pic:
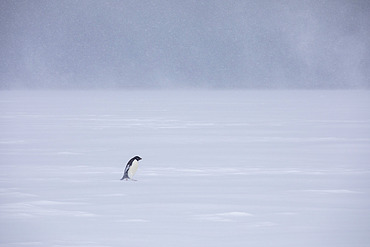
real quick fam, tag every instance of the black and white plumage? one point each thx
(131, 168)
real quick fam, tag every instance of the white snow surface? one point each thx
(219, 168)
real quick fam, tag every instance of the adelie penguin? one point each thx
(131, 168)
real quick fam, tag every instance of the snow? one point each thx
(219, 168)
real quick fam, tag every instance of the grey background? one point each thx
(184, 44)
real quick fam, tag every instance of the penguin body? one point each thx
(131, 168)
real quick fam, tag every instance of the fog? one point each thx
(184, 44)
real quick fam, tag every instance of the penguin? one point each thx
(131, 168)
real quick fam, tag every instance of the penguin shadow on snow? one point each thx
(131, 168)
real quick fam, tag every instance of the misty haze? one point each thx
(178, 83)
(186, 44)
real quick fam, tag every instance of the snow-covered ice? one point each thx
(219, 168)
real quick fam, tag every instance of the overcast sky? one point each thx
(185, 43)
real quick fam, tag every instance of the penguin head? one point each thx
(137, 158)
